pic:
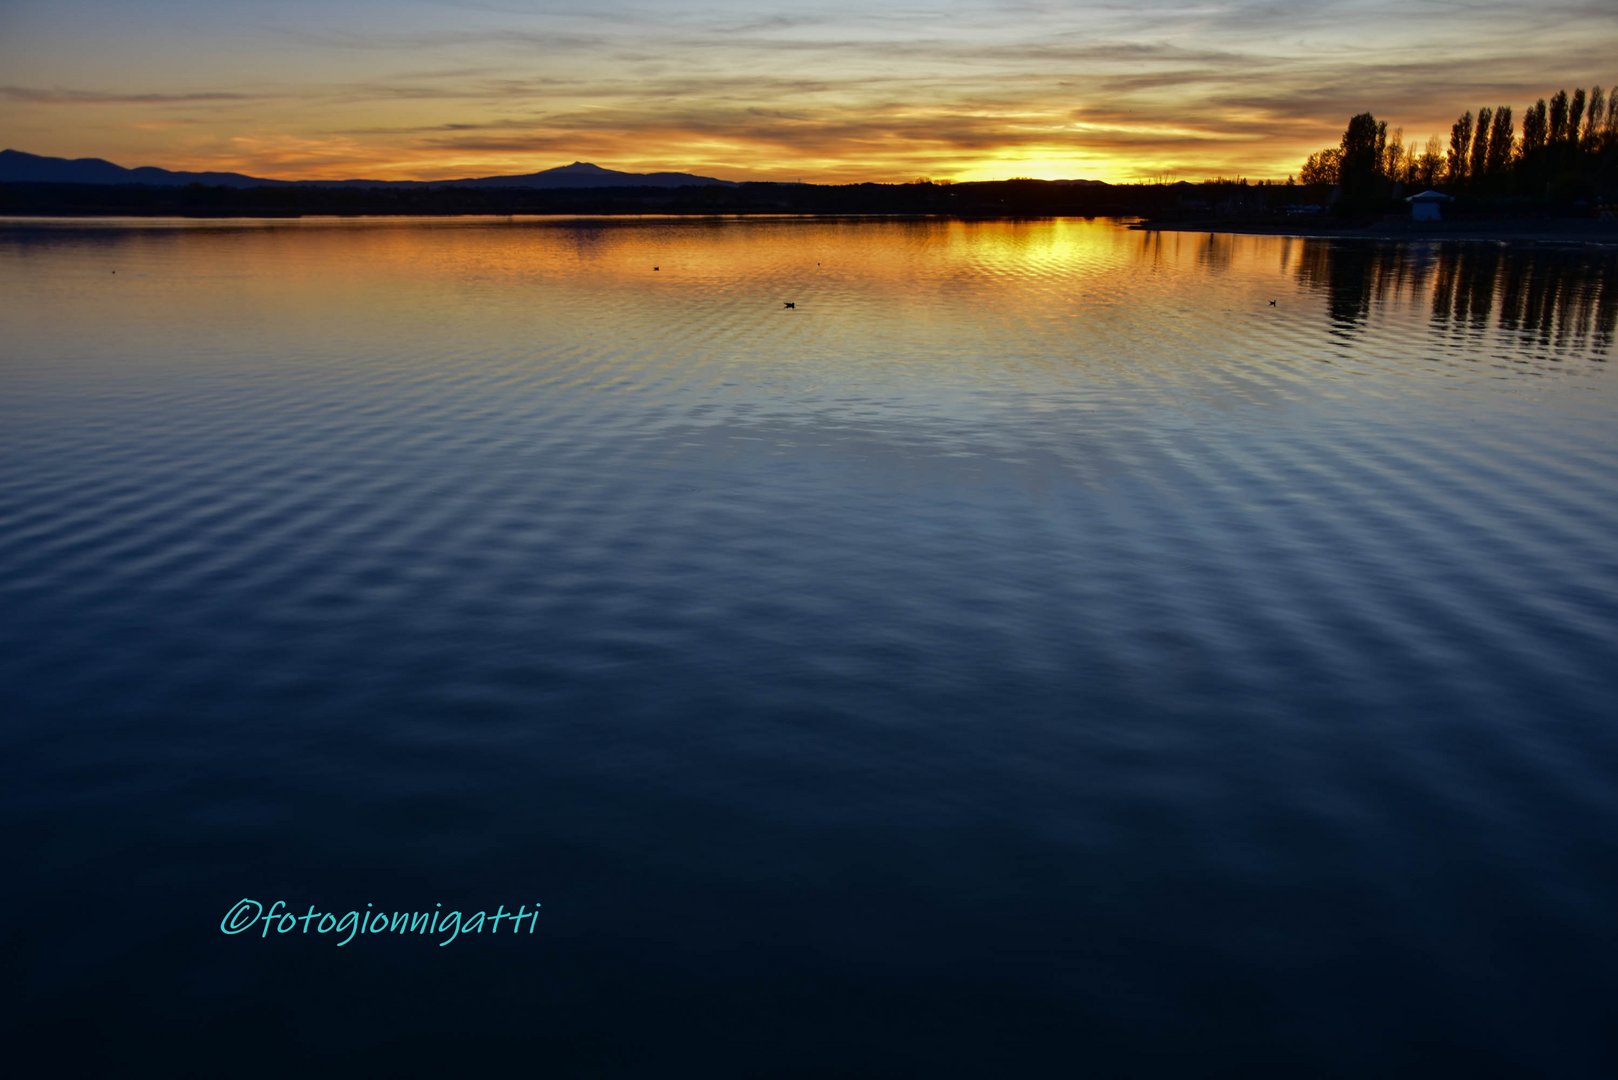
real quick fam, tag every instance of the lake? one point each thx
(879, 647)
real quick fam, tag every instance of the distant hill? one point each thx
(20, 168)
(17, 167)
(581, 174)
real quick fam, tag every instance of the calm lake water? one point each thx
(1048, 649)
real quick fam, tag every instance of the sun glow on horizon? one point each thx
(826, 92)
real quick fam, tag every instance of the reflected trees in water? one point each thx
(1565, 299)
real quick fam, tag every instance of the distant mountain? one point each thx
(581, 174)
(19, 168)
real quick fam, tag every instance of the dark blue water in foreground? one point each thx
(1036, 654)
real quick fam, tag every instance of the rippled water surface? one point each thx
(1047, 648)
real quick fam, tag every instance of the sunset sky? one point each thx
(822, 90)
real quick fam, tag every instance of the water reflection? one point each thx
(1070, 299)
(1556, 298)
(1217, 252)
(1044, 627)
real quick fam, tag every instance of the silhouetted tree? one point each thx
(1430, 166)
(1480, 146)
(1568, 155)
(1502, 137)
(1535, 128)
(1393, 153)
(1364, 144)
(1322, 167)
(1460, 142)
(1558, 127)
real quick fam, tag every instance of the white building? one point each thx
(1428, 206)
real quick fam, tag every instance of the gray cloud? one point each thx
(37, 96)
(1220, 82)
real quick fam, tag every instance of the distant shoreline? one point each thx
(1215, 207)
(1561, 231)
(1552, 231)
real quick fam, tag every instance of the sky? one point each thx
(827, 91)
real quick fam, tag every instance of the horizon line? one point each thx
(1141, 180)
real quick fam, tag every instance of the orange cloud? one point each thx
(829, 93)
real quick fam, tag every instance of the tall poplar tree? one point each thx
(1480, 146)
(1594, 126)
(1460, 142)
(1534, 128)
(1502, 137)
(1558, 125)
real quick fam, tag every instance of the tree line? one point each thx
(1567, 150)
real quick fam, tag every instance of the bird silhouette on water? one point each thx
(790, 304)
